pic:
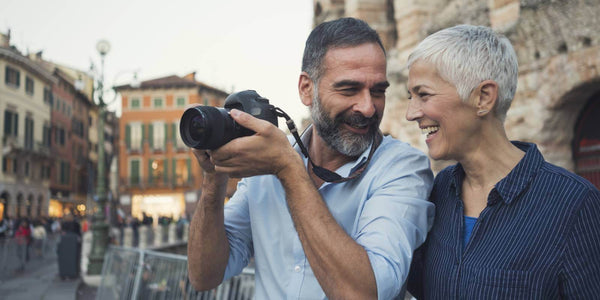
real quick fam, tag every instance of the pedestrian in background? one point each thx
(3, 228)
(23, 240)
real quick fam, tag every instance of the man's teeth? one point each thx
(359, 126)
(430, 129)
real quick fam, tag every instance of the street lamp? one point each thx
(99, 225)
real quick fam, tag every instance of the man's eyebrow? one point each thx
(382, 85)
(346, 83)
(353, 83)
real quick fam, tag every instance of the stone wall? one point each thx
(557, 44)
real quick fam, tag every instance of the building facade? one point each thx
(70, 171)
(557, 104)
(158, 174)
(25, 102)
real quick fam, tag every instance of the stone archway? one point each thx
(556, 136)
(586, 144)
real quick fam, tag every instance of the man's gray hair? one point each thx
(344, 32)
(466, 55)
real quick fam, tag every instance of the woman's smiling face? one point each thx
(450, 125)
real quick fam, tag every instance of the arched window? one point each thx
(40, 206)
(28, 205)
(20, 203)
(586, 145)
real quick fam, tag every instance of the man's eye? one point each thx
(349, 90)
(378, 92)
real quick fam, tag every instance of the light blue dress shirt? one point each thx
(385, 210)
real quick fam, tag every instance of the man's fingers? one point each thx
(248, 121)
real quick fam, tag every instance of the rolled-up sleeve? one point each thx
(238, 230)
(395, 220)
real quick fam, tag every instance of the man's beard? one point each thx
(339, 139)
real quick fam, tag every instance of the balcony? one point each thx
(18, 145)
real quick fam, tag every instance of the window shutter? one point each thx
(165, 171)
(174, 171)
(150, 173)
(174, 134)
(165, 137)
(135, 172)
(16, 123)
(143, 137)
(128, 136)
(151, 135)
(7, 122)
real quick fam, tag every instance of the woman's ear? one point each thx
(305, 88)
(487, 96)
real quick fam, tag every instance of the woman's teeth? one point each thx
(429, 130)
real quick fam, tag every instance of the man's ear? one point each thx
(305, 88)
(487, 96)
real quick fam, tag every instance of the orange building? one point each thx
(158, 174)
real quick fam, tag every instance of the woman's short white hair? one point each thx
(466, 55)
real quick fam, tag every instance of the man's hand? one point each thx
(268, 151)
(203, 158)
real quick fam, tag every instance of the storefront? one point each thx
(168, 205)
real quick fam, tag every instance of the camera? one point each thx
(208, 127)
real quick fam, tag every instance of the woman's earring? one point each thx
(482, 112)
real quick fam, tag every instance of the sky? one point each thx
(233, 45)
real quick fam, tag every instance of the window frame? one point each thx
(135, 100)
(159, 100)
(12, 73)
(29, 85)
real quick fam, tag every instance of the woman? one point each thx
(508, 225)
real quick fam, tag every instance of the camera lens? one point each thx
(206, 127)
(198, 128)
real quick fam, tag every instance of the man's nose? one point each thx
(365, 105)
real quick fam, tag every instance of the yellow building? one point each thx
(157, 172)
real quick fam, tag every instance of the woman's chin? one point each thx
(436, 155)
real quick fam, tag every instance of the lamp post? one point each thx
(99, 225)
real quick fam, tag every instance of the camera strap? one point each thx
(327, 175)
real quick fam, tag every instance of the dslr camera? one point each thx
(208, 127)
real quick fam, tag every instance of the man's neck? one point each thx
(324, 156)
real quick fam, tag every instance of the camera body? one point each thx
(208, 127)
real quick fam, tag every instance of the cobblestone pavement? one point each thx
(39, 280)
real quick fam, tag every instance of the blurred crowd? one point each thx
(24, 238)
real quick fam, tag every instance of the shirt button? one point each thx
(297, 269)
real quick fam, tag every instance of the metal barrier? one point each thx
(130, 273)
(17, 253)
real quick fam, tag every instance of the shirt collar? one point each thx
(511, 186)
(344, 170)
(517, 180)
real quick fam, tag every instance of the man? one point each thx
(311, 239)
